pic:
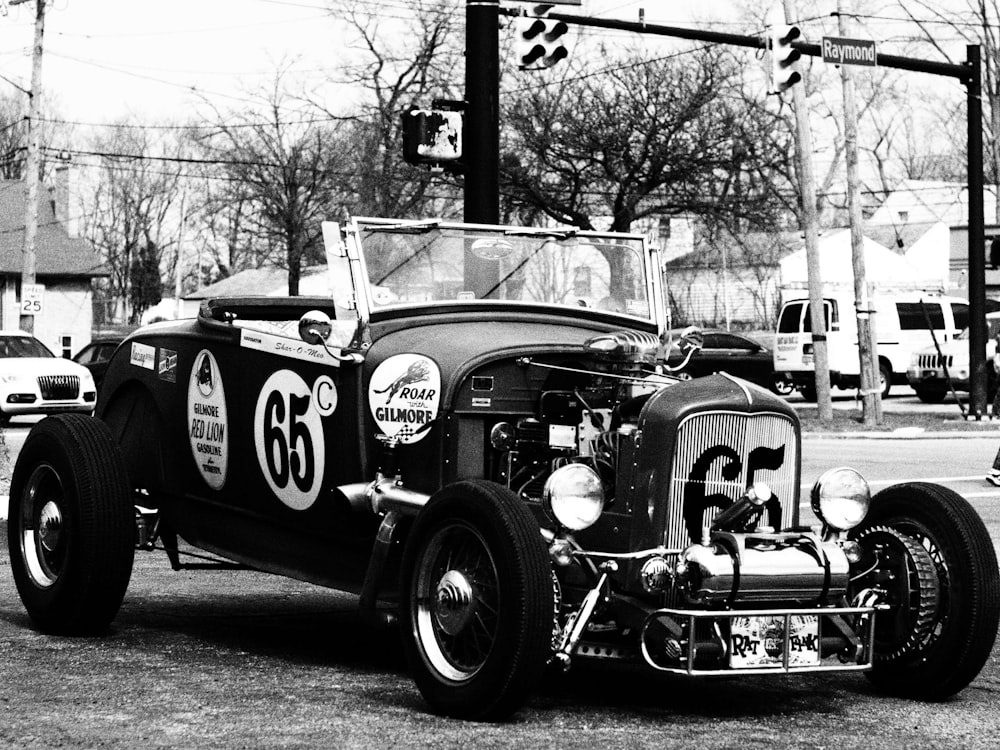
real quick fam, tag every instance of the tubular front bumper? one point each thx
(713, 642)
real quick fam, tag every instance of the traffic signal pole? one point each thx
(482, 114)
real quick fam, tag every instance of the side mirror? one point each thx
(692, 339)
(315, 327)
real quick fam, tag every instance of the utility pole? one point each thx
(810, 226)
(32, 164)
(871, 397)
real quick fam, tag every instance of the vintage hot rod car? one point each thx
(478, 435)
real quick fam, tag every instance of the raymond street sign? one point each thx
(843, 51)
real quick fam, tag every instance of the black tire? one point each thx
(781, 386)
(476, 605)
(949, 645)
(885, 377)
(931, 394)
(71, 526)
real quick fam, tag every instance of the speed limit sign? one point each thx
(31, 299)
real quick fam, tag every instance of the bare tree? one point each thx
(397, 64)
(644, 138)
(131, 211)
(13, 137)
(278, 172)
(977, 22)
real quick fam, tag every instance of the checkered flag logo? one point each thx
(406, 431)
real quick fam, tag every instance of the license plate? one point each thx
(761, 641)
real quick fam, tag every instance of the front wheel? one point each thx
(476, 607)
(71, 526)
(928, 555)
(884, 378)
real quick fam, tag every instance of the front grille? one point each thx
(716, 453)
(59, 387)
(934, 361)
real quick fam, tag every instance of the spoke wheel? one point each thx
(457, 601)
(925, 649)
(477, 602)
(901, 574)
(71, 527)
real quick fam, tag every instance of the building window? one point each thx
(66, 346)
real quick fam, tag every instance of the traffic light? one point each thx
(539, 41)
(783, 57)
(433, 137)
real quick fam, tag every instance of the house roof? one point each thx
(56, 253)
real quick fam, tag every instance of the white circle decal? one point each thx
(404, 394)
(207, 419)
(288, 435)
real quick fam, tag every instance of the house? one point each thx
(65, 265)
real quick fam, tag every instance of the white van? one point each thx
(900, 324)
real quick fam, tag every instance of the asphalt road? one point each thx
(232, 660)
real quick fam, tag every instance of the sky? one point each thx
(105, 59)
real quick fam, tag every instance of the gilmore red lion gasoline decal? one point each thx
(208, 422)
(404, 394)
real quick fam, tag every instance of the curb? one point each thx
(905, 433)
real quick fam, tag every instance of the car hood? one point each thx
(33, 366)
(458, 345)
(957, 347)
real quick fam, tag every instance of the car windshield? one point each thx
(22, 346)
(433, 262)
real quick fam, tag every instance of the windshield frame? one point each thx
(364, 294)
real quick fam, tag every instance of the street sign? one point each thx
(843, 51)
(31, 299)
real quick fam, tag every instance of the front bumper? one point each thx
(759, 641)
(934, 379)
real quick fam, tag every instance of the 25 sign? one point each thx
(31, 299)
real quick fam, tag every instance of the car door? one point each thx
(273, 431)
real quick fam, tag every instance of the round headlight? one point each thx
(840, 498)
(573, 496)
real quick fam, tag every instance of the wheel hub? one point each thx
(50, 524)
(454, 604)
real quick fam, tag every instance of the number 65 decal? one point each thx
(288, 435)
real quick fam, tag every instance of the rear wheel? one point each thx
(477, 605)
(929, 557)
(71, 526)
